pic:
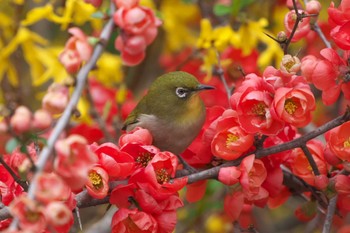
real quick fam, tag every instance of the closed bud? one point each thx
(313, 7)
(281, 36)
(42, 119)
(56, 99)
(21, 120)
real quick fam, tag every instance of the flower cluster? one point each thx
(339, 20)
(138, 28)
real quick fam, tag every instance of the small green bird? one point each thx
(172, 111)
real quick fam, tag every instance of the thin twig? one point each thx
(63, 121)
(97, 116)
(330, 213)
(318, 30)
(310, 159)
(18, 180)
(212, 173)
(220, 72)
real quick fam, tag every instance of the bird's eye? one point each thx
(181, 92)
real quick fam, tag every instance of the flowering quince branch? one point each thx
(220, 72)
(97, 116)
(298, 142)
(317, 29)
(64, 119)
(329, 215)
(310, 159)
(15, 177)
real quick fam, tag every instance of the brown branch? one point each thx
(310, 159)
(330, 213)
(18, 180)
(212, 173)
(220, 72)
(97, 116)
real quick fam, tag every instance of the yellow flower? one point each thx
(109, 69)
(44, 12)
(177, 16)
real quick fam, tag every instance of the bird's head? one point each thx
(175, 95)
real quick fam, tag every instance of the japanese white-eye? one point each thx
(172, 111)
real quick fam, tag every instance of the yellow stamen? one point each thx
(290, 106)
(162, 176)
(231, 138)
(144, 158)
(96, 179)
(347, 143)
(259, 109)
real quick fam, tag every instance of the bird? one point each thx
(172, 111)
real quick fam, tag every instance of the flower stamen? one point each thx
(96, 179)
(290, 106)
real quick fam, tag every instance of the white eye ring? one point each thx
(181, 92)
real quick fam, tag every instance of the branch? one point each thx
(220, 72)
(330, 213)
(63, 121)
(14, 175)
(298, 142)
(310, 159)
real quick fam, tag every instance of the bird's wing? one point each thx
(130, 120)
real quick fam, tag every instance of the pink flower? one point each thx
(116, 163)
(50, 187)
(73, 161)
(126, 3)
(59, 216)
(97, 183)
(313, 7)
(137, 135)
(29, 212)
(42, 119)
(329, 74)
(339, 19)
(76, 51)
(252, 101)
(253, 174)
(125, 220)
(338, 141)
(303, 27)
(294, 104)
(290, 64)
(21, 120)
(56, 98)
(230, 144)
(229, 175)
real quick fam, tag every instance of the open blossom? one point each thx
(294, 104)
(231, 143)
(137, 135)
(329, 74)
(76, 51)
(73, 161)
(303, 27)
(339, 141)
(301, 167)
(339, 19)
(29, 213)
(97, 183)
(290, 64)
(252, 101)
(59, 216)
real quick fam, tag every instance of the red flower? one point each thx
(116, 163)
(97, 183)
(50, 187)
(29, 212)
(125, 220)
(252, 101)
(73, 161)
(233, 205)
(142, 154)
(303, 27)
(137, 135)
(253, 174)
(294, 104)
(59, 216)
(230, 144)
(229, 175)
(328, 74)
(76, 51)
(339, 141)
(339, 19)
(301, 166)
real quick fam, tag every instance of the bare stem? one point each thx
(318, 30)
(97, 116)
(310, 159)
(63, 121)
(220, 72)
(13, 174)
(330, 213)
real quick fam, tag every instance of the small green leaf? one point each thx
(98, 15)
(11, 145)
(221, 10)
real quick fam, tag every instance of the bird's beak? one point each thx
(202, 87)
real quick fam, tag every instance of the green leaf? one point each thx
(11, 145)
(238, 5)
(98, 15)
(221, 10)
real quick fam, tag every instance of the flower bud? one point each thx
(56, 99)
(21, 120)
(281, 36)
(313, 7)
(42, 119)
(290, 64)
